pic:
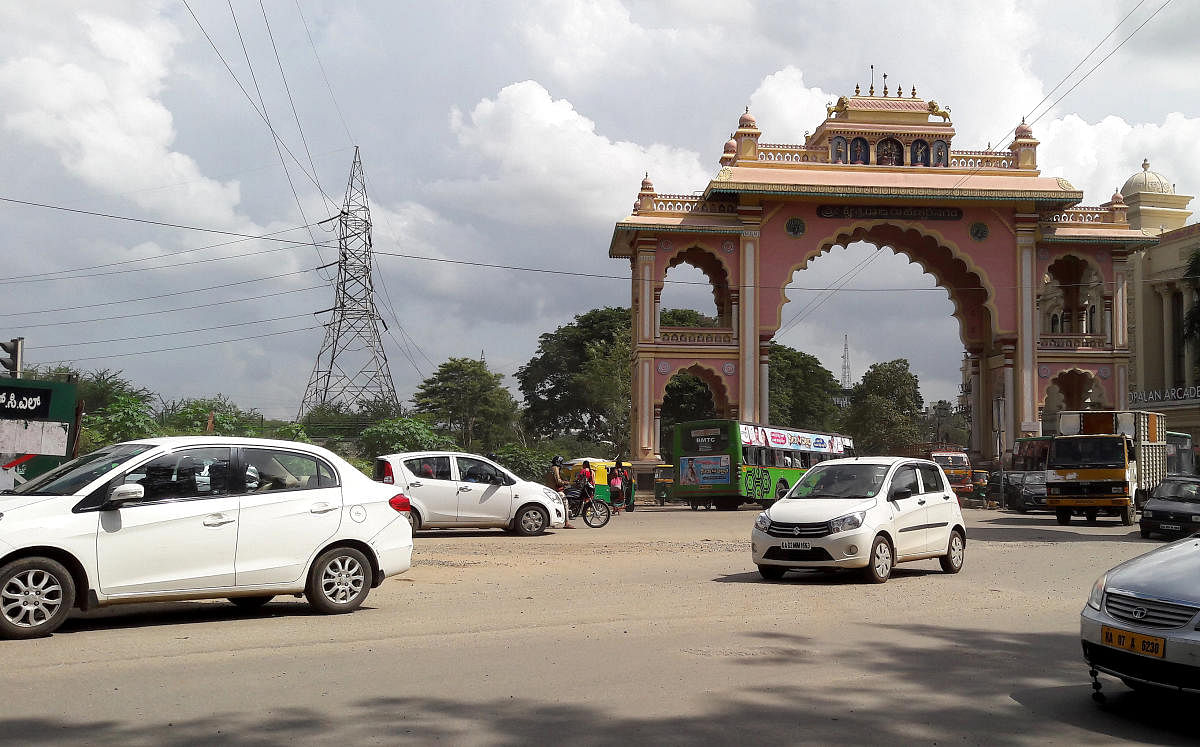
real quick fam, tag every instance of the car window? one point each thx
(429, 468)
(276, 469)
(931, 478)
(905, 479)
(184, 475)
(476, 470)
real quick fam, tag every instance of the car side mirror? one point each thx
(122, 494)
(900, 494)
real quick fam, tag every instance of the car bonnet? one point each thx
(1171, 572)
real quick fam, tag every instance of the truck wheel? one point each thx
(1127, 516)
(1063, 515)
(1091, 515)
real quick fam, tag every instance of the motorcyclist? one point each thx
(558, 483)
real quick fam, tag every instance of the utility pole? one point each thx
(351, 366)
(846, 362)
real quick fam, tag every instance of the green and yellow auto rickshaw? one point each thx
(664, 483)
(602, 469)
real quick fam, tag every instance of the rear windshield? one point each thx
(1084, 452)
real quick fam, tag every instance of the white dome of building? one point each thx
(1147, 181)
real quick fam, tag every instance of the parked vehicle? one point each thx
(454, 490)
(1173, 508)
(1105, 460)
(1181, 455)
(1140, 623)
(1028, 492)
(1030, 453)
(867, 513)
(134, 522)
(664, 483)
(726, 463)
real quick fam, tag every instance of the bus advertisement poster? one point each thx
(704, 470)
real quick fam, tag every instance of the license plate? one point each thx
(1171, 527)
(795, 545)
(1146, 645)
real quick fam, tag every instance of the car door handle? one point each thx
(322, 508)
(414, 484)
(921, 502)
(217, 520)
(464, 489)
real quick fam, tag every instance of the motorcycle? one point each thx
(581, 500)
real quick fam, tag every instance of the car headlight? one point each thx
(847, 522)
(1096, 598)
(552, 496)
(1147, 514)
(762, 522)
(1118, 488)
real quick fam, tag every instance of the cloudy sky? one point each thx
(500, 132)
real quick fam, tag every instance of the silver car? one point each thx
(1142, 621)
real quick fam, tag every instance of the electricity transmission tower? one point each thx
(351, 367)
(846, 362)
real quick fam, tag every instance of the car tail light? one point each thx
(387, 475)
(400, 503)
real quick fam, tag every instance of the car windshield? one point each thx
(1185, 492)
(66, 479)
(840, 481)
(1035, 477)
(1096, 452)
(951, 460)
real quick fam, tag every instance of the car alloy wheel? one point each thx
(32, 597)
(343, 579)
(532, 520)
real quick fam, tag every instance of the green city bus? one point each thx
(726, 463)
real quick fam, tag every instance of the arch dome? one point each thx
(1147, 181)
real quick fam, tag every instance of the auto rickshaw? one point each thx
(664, 483)
(601, 468)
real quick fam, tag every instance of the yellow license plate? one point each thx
(1146, 645)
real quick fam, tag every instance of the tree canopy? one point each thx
(885, 410)
(801, 390)
(467, 400)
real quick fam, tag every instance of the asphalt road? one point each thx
(655, 628)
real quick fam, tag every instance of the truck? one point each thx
(1105, 460)
(953, 459)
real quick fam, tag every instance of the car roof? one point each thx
(881, 460)
(174, 442)
(417, 454)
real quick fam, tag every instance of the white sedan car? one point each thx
(866, 513)
(450, 489)
(195, 518)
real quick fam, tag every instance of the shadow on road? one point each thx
(182, 613)
(820, 577)
(961, 685)
(1045, 529)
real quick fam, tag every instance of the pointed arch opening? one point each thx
(683, 298)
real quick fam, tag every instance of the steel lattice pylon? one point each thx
(352, 367)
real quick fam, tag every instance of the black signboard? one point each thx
(17, 403)
(890, 212)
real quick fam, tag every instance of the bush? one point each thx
(401, 434)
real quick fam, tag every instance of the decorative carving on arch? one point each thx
(1074, 389)
(970, 292)
(714, 268)
(1072, 288)
(706, 373)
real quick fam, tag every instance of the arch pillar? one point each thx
(747, 332)
(1025, 410)
(643, 444)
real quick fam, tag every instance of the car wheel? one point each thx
(1021, 507)
(251, 603)
(772, 572)
(414, 519)
(1127, 517)
(956, 549)
(36, 595)
(531, 520)
(695, 505)
(339, 581)
(1063, 515)
(1145, 533)
(880, 561)
(1091, 515)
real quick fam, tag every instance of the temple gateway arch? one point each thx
(1038, 283)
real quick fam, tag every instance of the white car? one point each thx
(1141, 622)
(450, 489)
(867, 513)
(195, 518)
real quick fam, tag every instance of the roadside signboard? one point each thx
(37, 428)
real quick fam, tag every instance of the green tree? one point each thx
(292, 432)
(685, 318)
(125, 418)
(555, 402)
(190, 416)
(687, 398)
(401, 434)
(885, 409)
(944, 423)
(801, 390)
(1191, 320)
(95, 389)
(605, 380)
(466, 399)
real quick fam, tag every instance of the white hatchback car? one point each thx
(194, 518)
(450, 489)
(866, 512)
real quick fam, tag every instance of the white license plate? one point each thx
(1171, 527)
(795, 545)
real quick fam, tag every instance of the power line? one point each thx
(171, 311)
(324, 77)
(178, 347)
(164, 334)
(159, 295)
